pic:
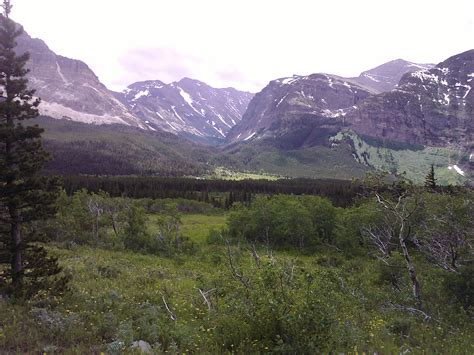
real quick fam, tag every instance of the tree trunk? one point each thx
(16, 260)
(96, 228)
(114, 226)
(411, 268)
(15, 217)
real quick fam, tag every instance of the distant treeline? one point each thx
(221, 193)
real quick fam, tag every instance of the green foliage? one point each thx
(283, 309)
(446, 229)
(25, 195)
(211, 283)
(135, 235)
(460, 287)
(214, 192)
(430, 180)
(119, 223)
(80, 148)
(256, 300)
(283, 221)
(350, 224)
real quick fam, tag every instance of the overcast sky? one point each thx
(245, 43)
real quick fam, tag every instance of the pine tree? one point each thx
(430, 180)
(25, 195)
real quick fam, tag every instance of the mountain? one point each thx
(386, 77)
(283, 102)
(314, 122)
(288, 103)
(69, 89)
(429, 107)
(431, 111)
(318, 125)
(188, 107)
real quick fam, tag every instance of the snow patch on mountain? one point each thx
(250, 136)
(61, 75)
(457, 169)
(141, 94)
(371, 77)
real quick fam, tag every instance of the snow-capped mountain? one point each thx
(386, 77)
(187, 107)
(430, 107)
(283, 102)
(69, 89)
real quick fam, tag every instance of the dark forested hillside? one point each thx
(79, 148)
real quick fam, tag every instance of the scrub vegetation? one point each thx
(282, 273)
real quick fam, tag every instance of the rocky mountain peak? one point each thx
(386, 77)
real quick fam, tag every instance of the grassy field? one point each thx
(196, 226)
(118, 297)
(228, 174)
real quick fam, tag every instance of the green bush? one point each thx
(460, 287)
(284, 221)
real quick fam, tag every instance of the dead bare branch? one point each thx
(206, 300)
(170, 312)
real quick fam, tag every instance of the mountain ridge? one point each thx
(188, 106)
(318, 95)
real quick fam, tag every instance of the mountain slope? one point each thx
(188, 107)
(117, 149)
(69, 89)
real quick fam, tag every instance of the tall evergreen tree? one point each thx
(430, 180)
(25, 195)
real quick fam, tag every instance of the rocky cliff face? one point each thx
(187, 107)
(69, 89)
(430, 107)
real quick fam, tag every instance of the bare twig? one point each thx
(240, 277)
(419, 312)
(172, 315)
(204, 296)
(256, 257)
